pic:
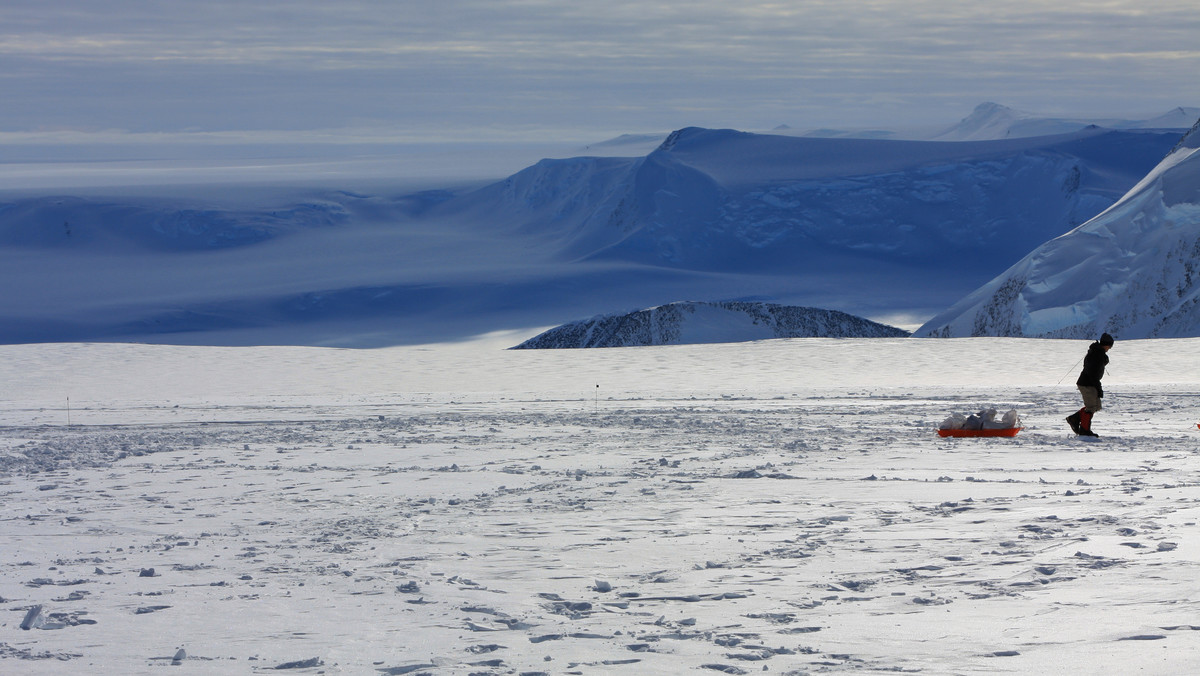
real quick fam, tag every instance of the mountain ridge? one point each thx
(705, 195)
(873, 228)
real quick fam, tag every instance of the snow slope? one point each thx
(887, 230)
(465, 509)
(1131, 271)
(722, 322)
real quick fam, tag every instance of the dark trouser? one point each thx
(1091, 398)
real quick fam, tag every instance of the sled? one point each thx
(1001, 432)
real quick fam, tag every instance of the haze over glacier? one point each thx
(888, 229)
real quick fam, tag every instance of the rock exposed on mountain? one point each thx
(716, 322)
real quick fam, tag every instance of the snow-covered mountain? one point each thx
(701, 322)
(1179, 117)
(1133, 270)
(889, 230)
(625, 145)
(727, 200)
(995, 121)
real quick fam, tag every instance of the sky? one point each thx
(436, 70)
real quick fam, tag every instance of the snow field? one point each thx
(726, 508)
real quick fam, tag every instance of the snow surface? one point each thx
(459, 509)
(1131, 271)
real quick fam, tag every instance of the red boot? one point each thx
(1085, 424)
(1073, 420)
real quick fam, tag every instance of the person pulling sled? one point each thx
(1089, 386)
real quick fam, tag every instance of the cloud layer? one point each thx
(436, 67)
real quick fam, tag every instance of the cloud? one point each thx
(595, 66)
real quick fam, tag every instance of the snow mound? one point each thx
(700, 322)
(1133, 270)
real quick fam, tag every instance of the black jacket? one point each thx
(1093, 368)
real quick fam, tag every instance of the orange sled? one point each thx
(1003, 432)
